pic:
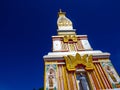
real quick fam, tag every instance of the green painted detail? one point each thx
(108, 63)
(46, 88)
(113, 85)
(54, 66)
(55, 88)
(47, 67)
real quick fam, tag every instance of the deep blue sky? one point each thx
(26, 27)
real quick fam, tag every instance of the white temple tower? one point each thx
(74, 65)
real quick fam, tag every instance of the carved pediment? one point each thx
(73, 61)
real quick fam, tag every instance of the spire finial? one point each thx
(60, 10)
(60, 13)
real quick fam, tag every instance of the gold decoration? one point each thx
(63, 20)
(73, 61)
(60, 13)
(70, 37)
(89, 64)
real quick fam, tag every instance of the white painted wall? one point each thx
(57, 45)
(85, 44)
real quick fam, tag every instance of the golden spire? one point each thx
(60, 13)
(60, 10)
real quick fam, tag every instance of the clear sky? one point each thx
(26, 27)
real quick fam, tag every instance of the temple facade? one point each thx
(74, 65)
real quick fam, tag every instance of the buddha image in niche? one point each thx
(51, 77)
(82, 82)
(111, 73)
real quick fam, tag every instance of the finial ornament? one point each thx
(60, 13)
(63, 22)
(60, 10)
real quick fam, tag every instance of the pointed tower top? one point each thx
(60, 13)
(64, 24)
(60, 10)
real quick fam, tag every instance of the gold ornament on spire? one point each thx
(63, 22)
(60, 13)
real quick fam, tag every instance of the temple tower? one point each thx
(74, 65)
